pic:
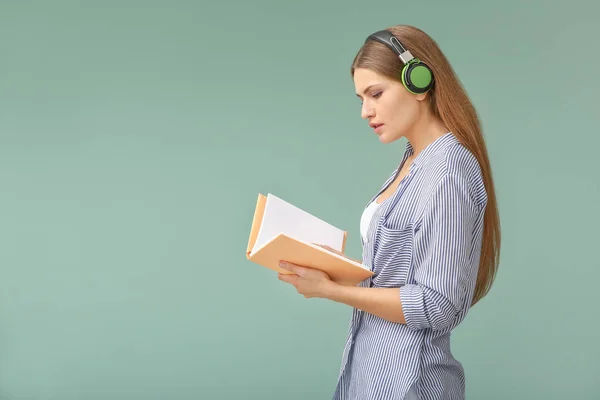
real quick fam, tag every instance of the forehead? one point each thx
(364, 78)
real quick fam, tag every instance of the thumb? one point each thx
(291, 267)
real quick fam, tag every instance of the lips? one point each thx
(376, 127)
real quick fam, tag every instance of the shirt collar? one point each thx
(431, 149)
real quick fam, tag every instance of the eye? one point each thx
(375, 95)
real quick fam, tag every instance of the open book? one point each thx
(282, 231)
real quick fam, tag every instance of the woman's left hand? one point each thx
(309, 282)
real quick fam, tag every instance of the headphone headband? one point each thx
(386, 37)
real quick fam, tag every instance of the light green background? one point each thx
(135, 137)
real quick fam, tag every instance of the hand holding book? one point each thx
(337, 252)
(308, 282)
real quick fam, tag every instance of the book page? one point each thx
(283, 217)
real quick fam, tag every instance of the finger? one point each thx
(329, 248)
(286, 265)
(288, 278)
(297, 269)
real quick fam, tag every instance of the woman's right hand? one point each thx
(336, 252)
(330, 249)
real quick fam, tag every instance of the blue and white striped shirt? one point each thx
(426, 240)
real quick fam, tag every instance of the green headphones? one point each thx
(416, 76)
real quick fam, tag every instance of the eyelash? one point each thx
(375, 95)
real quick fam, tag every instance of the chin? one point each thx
(387, 139)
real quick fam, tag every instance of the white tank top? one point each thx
(366, 217)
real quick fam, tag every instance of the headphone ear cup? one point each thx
(417, 77)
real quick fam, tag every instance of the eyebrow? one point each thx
(368, 87)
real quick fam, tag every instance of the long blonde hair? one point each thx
(451, 104)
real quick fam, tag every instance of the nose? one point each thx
(366, 110)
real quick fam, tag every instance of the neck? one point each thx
(427, 129)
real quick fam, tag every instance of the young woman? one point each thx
(431, 234)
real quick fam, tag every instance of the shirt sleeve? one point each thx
(444, 243)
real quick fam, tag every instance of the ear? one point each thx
(421, 96)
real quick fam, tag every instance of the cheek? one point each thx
(405, 115)
(399, 120)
